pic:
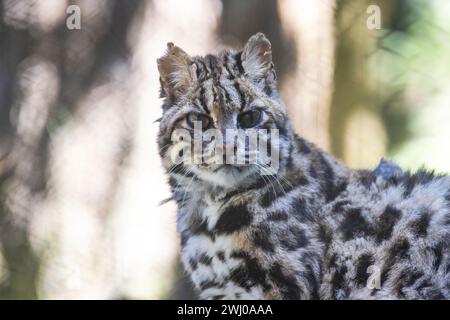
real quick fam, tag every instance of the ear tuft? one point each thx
(176, 71)
(257, 56)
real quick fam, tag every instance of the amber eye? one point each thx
(192, 117)
(249, 119)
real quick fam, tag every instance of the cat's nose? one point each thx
(228, 142)
(228, 145)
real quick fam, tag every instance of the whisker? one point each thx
(164, 146)
(266, 176)
(185, 192)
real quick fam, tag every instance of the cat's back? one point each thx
(389, 238)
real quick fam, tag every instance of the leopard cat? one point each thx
(315, 229)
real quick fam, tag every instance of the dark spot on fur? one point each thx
(294, 239)
(327, 177)
(313, 283)
(447, 268)
(364, 262)
(313, 171)
(406, 279)
(397, 252)
(267, 88)
(325, 236)
(302, 145)
(184, 238)
(386, 223)
(241, 95)
(200, 226)
(393, 181)
(338, 207)
(250, 273)
(205, 259)
(181, 170)
(332, 261)
(221, 255)
(225, 63)
(213, 63)
(172, 182)
(261, 238)
(277, 216)
(338, 283)
(299, 210)
(268, 198)
(287, 284)
(354, 225)
(413, 277)
(260, 183)
(208, 284)
(193, 264)
(240, 276)
(334, 192)
(437, 255)
(233, 219)
(240, 254)
(202, 100)
(410, 181)
(238, 66)
(401, 280)
(366, 178)
(435, 294)
(420, 226)
(424, 284)
(281, 188)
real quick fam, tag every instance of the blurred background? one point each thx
(80, 178)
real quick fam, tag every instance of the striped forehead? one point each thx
(219, 90)
(227, 64)
(216, 100)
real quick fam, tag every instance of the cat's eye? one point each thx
(204, 120)
(250, 119)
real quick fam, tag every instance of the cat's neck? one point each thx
(315, 177)
(303, 163)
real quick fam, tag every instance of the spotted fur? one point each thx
(313, 230)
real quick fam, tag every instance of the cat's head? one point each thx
(214, 106)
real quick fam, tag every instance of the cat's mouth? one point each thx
(226, 175)
(230, 167)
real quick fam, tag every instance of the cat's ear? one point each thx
(177, 72)
(257, 57)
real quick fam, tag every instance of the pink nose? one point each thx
(228, 146)
(229, 141)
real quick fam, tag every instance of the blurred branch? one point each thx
(25, 148)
